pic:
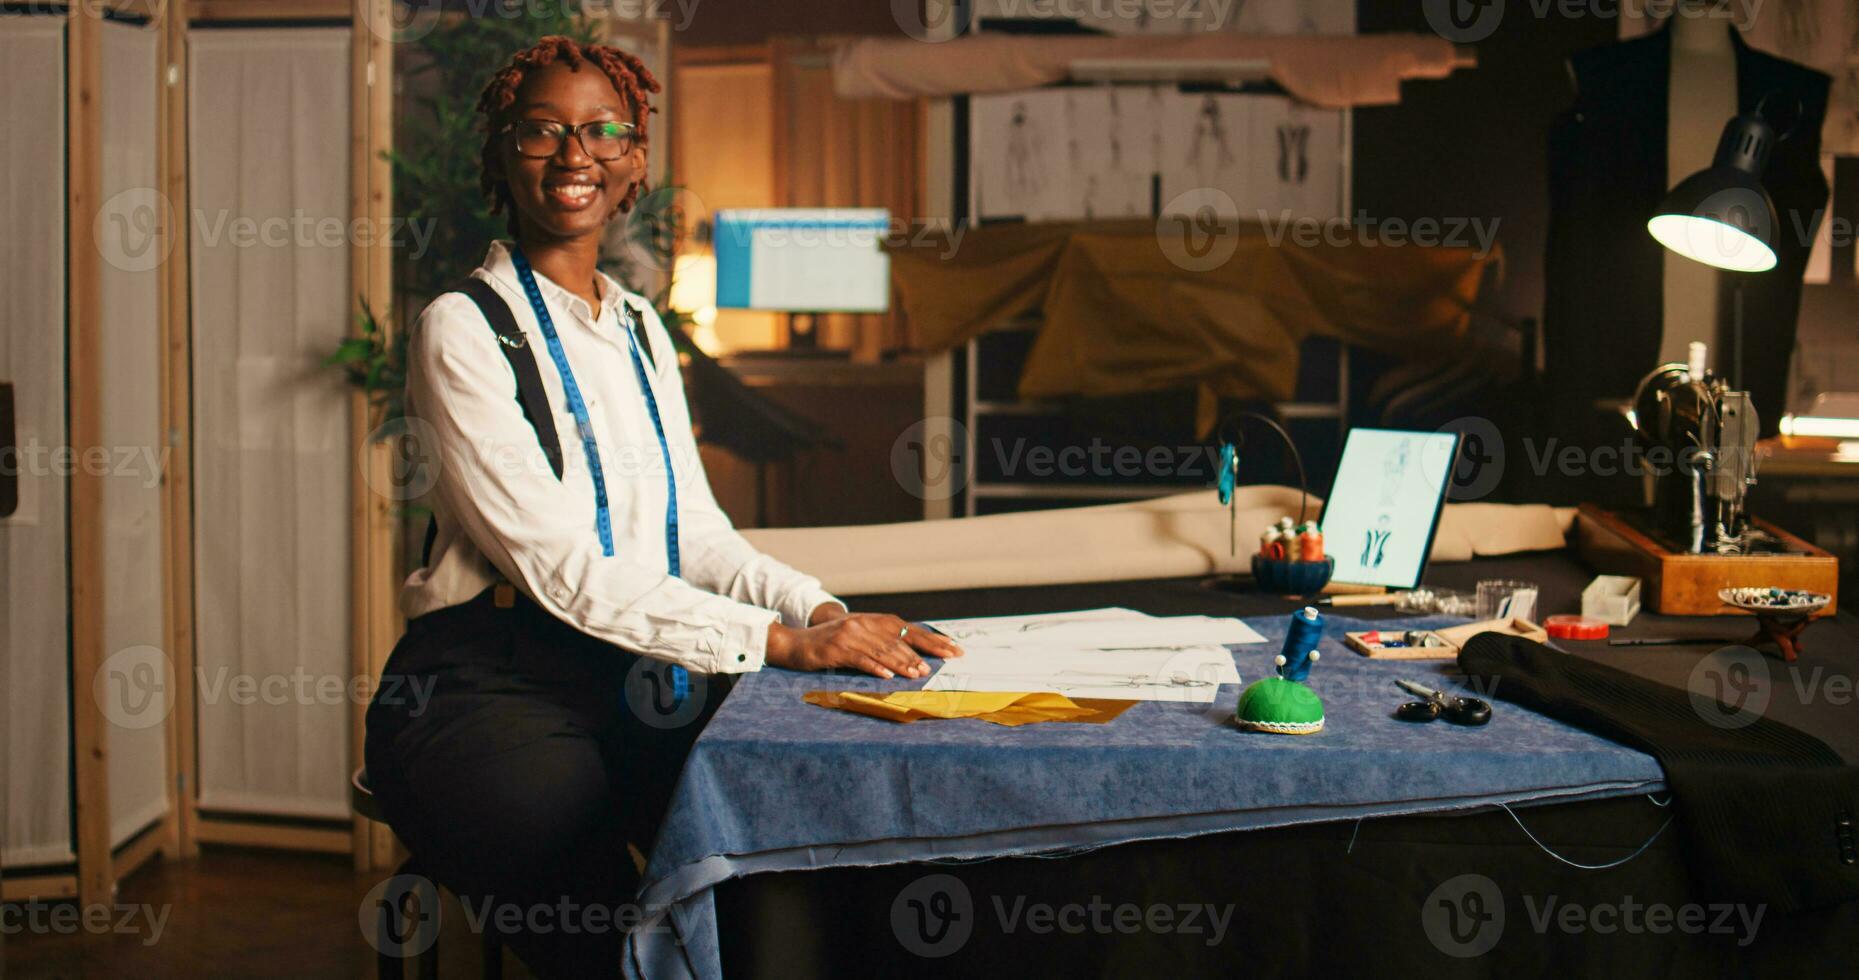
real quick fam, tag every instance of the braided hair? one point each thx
(629, 76)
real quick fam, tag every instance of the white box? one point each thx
(1612, 599)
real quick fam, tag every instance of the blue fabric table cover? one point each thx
(776, 784)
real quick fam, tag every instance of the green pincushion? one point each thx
(1278, 705)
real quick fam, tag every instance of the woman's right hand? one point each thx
(878, 644)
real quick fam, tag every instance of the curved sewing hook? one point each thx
(1229, 433)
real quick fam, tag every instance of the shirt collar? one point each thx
(498, 263)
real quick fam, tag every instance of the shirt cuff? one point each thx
(745, 644)
(799, 607)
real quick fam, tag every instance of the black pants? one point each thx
(516, 757)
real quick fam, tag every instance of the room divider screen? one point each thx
(32, 356)
(270, 267)
(88, 706)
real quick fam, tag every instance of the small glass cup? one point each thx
(1506, 599)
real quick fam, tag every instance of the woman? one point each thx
(555, 613)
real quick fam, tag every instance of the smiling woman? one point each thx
(583, 598)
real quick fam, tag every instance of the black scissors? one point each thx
(1435, 704)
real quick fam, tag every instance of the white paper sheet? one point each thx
(1149, 633)
(964, 630)
(1149, 675)
(1095, 653)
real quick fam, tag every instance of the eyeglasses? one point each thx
(605, 139)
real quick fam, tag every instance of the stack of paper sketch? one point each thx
(1095, 653)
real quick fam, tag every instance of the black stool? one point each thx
(391, 927)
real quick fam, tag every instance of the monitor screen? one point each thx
(803, 260)
(1379, 520)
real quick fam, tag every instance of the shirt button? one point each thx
(741, 657)
(561, 593)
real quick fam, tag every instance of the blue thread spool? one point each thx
(1300, 649)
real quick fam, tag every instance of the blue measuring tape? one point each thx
(584, 425)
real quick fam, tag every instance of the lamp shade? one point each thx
(1721, 215)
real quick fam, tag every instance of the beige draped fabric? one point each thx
(1181, 535)
(1122, 315)
(1332, 72)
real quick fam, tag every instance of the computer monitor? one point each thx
(803, 260)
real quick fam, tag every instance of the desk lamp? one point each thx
(1723, 217)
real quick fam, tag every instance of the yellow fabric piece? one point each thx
(1119, 316)
(1009, 708)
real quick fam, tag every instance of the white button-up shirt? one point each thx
(502, 514)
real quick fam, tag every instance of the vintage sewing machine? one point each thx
(1695, 538)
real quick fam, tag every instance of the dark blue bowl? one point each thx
(1301, 578)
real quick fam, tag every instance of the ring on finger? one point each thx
(903, 632)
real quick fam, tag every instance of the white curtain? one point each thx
(268, 146)
(32, 357)
(131, 374)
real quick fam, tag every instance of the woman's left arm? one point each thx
(713, 554)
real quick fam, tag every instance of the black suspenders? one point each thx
(529, 391)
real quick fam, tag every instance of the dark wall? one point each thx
(1474, 144)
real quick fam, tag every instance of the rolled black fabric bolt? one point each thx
(1764, 809)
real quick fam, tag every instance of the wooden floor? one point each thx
(232, 913)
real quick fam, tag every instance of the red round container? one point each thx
(1575, 628)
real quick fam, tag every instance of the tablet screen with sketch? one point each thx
(1381, 514)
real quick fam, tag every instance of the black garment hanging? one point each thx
(1603, 310)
